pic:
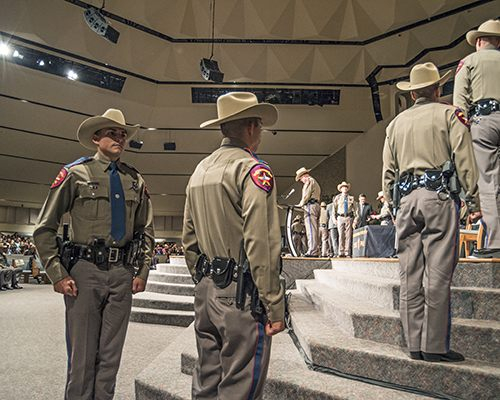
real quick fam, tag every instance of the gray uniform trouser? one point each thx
(96, 325)
(344, 226)
(334, 240)
(486, 142)
(311, 221)
(428, 231)
(233, 349)
(325, 242)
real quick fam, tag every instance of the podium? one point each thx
(374, 241)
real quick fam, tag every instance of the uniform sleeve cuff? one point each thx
(56, 272)
(276, 312)
(143, 273)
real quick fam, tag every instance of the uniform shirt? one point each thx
(310, 190)
(225, 206)
(425, 136)
(338, 204)
(83, 191)
(298, 228)
(323, 216)
(477, 78)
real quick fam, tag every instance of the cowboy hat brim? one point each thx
(298, 176)
(473, 35)
(91, 125)
(407, 86)
(266, 111)
(347, 185)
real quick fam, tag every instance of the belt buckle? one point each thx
(113, 254)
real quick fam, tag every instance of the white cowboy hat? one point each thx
(239, 105)
(423, 75)
(380, 195)
(301, 171)
(112, 118)
(344, 183)
(488, 28)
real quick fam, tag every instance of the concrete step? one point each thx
(170, 288)
(172, 269)
(167, 277)
(330, 347)
(177, 260)
(477, 339)
(162, 379)
(163, 301)
(466, 302)
(161, 317)
(290, 378)
(468, 273)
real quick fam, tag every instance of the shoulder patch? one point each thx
(81, 160)
(61, 176)
(461, 117)
(460, 65)
(262, 177)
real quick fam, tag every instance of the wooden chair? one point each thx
(469, 236)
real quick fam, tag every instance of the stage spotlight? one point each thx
(16, 54)
(96, 21)
(210, 70)
(169, 146)
(136, 144)
(41, 63)
(5, 50)
(72, 75)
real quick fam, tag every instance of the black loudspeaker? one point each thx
(169, 146)
(210, 70)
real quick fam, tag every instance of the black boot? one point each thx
(451, 356)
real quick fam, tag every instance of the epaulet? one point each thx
(81, 160)
(130, 169)
(255, 156)
(461, 116)
(63, 173)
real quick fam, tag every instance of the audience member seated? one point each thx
(9, 278)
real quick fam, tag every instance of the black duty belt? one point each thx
(345, 215)
(100, 255)
(312, 201)
(485, 107)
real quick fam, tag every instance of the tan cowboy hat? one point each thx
(112, 118)
(423, 75)
(301, 171)
(239, 105)
(323, 204)
(488, 28)
(380, 195)
(344, 183)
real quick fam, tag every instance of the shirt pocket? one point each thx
(131, 201)
(94, 202)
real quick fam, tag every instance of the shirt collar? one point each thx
(105, 162)
(233, 142)
(423, 100)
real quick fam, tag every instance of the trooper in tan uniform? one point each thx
(109, 208)
(323, 229)
(231, 208)
(298, 235)
(385, 216)
(477, 92)
(345, 214)
(419, 142)
(311, 193)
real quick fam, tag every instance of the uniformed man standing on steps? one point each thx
(311, 193)
(428, 155)
(111, 233)
(323, 229)
(477, 92)
(231, 224)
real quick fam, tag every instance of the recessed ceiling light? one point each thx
(163, 194)
(16, 54)
(72, 75)
(5, 49)
(151, 129)
(41, 63)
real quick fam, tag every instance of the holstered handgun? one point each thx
(199, 270)
(65, 247)
(451, 177)
(396, 194)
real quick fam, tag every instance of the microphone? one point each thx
(289, 194)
